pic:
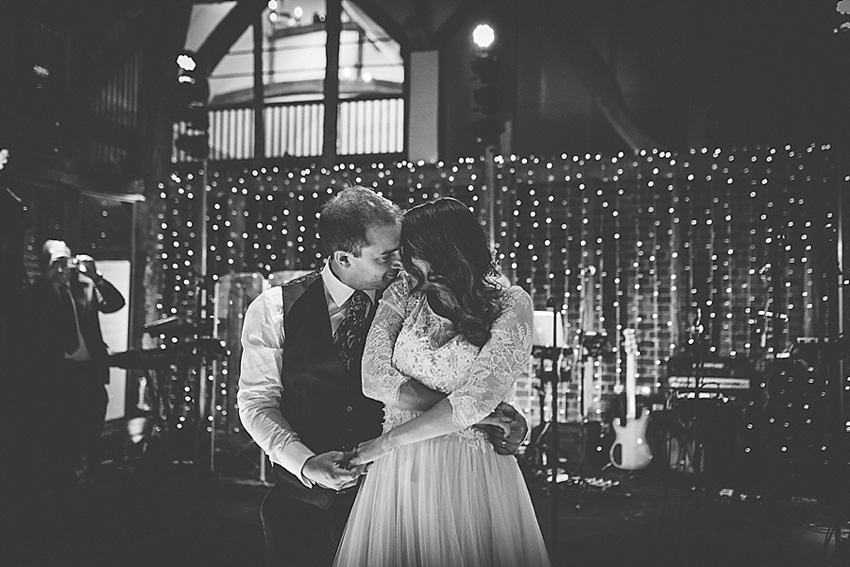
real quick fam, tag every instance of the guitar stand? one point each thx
(556, 358)
(551, 360)
(590, 345)
(542, 443)
(533, 454)
(698, 341)
(545, 442)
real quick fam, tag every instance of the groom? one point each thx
(300, 393)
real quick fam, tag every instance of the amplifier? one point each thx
(715, 373)
(708, 383)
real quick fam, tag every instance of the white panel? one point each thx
(545, 331)
(424, 94)
(116, 330)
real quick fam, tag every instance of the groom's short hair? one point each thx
(348, 214)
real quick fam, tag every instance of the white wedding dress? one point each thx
(451, 501)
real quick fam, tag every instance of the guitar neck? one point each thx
(631, 387)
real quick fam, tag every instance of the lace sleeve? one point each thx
(501, 360)
(381, 380)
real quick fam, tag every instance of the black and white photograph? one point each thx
(424, 283)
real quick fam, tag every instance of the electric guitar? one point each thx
(630, 450)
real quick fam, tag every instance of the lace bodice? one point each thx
(409, 341)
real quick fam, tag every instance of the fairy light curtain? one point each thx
(726, 232)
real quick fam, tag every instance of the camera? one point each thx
(78, 262)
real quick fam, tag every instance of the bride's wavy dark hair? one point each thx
(447, 235)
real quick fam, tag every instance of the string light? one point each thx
(667, 232)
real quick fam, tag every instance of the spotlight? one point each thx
(483, 36)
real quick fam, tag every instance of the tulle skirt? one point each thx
(446, 502)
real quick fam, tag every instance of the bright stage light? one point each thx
(483, 36)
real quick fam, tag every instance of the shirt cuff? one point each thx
(293, 457)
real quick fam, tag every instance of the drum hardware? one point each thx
(594, 344)
(161, 325)
(812, 350)
(167, 373)
(552, 355)
(144, 359)
(175, 326)
(154, 364)
(555, 362)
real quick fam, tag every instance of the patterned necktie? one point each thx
(68, 321)
(350, 336)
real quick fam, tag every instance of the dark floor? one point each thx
(142, 511)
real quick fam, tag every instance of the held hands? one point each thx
(506, 428)
(333, 470)
(369, 451)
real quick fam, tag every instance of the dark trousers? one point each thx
(76, 414)
(299, 534)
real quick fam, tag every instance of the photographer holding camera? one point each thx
(63, 356)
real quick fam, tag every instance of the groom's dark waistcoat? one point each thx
(322, 400)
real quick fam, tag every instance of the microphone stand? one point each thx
(832, 365)
(555, 355)
(698, 330)
(581, 356)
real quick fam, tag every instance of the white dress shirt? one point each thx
(260, 386)
(82, 353)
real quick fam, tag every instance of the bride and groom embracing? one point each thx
(417, 409)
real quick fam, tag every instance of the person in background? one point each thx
(63, 354)
(15, 218)
(19, 455)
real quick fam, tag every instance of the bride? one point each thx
(437, 493)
